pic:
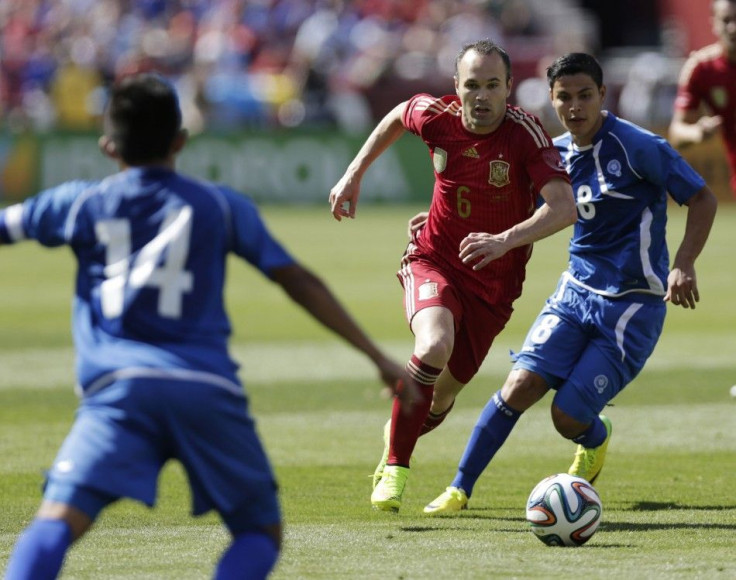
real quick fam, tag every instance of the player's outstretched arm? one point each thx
(682, 284)
(689, 127)
(312, 294)
(344, 195)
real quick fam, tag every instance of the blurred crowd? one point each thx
(252, 63)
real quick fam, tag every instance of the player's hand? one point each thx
(480, 249)
(416, 223)
(408, 394)
(399, 384)
(346, 191)
(682, 288)
(709, 125)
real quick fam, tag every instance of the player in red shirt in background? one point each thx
(706, 92)
(465, 264)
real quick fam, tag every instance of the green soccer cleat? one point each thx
(452, 500)
(589, 462)
(387, 494)
(378, 473)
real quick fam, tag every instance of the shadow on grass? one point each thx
(655, 506)
(642, 526)
(647, 506)
(426, 529)
(521, 529)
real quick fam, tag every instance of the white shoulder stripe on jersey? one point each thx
(602, 178)
(703, 55)
(425, 100)
(14, 222)
(533, 125)
(626, 154)
(526, 121)
(451, 109)
(434, 105)
(423, 103)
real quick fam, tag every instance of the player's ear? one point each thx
(108, 148)
(603, 93)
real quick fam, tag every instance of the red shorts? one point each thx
(477, 323)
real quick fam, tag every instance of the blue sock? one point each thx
(251, 556)
(491, 430)
(593, 436)
(40, 550)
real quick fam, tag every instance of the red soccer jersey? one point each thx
(709, 78)
(483, 183)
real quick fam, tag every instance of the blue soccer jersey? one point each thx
(621, 183)
(598, 328)
(151, 246)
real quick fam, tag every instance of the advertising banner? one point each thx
(284, 167)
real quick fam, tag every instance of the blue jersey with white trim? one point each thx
(621, 182)
(151, 246)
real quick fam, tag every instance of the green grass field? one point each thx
(669, 505)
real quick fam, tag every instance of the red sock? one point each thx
(433, 421)
(405, 428)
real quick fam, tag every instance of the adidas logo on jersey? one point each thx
(471, 152)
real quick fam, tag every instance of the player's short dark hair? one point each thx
(575, 63)
(485, 47)
(143, 118)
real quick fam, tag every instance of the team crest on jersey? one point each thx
(428, 290)
(614, 167)
(719, 96)
(439, 159)
(499, 175)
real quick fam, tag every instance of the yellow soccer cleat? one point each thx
(589, 462)
(387, 494)
(452, 500)
(378, 473)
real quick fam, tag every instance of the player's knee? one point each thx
(434, 336)
(79, 506)
(566, 425)
(434, 349)
(522, 389)
(275, 532)
(78, 521)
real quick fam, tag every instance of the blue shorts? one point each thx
(589, 347)
(124, 434)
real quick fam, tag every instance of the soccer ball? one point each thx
(563, 510)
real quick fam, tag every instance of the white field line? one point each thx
(636, 430)
(301, 361)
